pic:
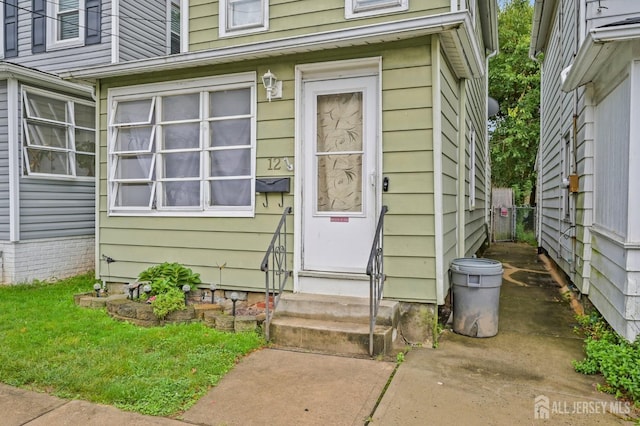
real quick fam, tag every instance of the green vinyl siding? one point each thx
(407, 115)
(202, 243)
(450, 128)
(475, 229)
(290, 18)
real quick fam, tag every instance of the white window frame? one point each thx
(203, 87)
(226, 30)
(70, 126)
(53, 24)
(2, 31)
(181, 34)
(472, 169)
(358, 8)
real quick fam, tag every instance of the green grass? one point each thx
(607, 353)
(49, 344)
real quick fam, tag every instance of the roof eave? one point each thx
(541, 26)
(375, 33)
(595, 52)
(489, 22)
(41, 78)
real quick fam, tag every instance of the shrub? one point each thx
(612, 356)
(166, 282)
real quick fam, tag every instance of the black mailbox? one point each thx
(276, 184)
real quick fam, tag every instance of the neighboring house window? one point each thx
(174, 27)
(243, 16)
(187, 148)
(358, 8)
(59, 135)
(10, 28)
(73, 23)
(472, 169)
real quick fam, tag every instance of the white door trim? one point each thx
(317, 71)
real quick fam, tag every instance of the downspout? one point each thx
(96, 242)
(437, 169)
(462, 165)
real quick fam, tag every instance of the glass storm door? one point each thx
(339, 192)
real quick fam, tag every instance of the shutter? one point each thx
(10, 28)
(38, 26)
(93, 20)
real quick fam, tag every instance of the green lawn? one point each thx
(49, 344)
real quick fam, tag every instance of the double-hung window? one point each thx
(58, 135)
(358, 8)
(67, 23)
(243, 16)
(189, 151)
(174, 27)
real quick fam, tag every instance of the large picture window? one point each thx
(185, 151)
(58, 135)
(243, 16)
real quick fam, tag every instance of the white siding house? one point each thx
(48, 126)
(589, 156)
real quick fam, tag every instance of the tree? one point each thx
(514, 81)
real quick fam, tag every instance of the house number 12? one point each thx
(275, 164)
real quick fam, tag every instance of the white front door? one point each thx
(339, 201)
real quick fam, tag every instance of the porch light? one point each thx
(273, 86)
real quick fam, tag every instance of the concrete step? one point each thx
(335, 337)
(332, 324)
(336, 308)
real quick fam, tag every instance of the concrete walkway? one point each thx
(470, 381)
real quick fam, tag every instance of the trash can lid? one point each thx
(476, 266)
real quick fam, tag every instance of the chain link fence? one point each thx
(514, 224)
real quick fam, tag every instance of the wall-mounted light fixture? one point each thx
(273, 86)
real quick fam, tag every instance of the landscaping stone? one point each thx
(127, 310)
(145, 312)
(113, 305)
(210, 317)
(184, 315)
(203, 308)
(245, 323)
(225, 323)
(218, 315)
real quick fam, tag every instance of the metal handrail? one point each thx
(377, 277)
(276, 256)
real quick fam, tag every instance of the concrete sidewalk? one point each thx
(497, 380)
(470, 381)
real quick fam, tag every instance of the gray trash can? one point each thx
(476, 296)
